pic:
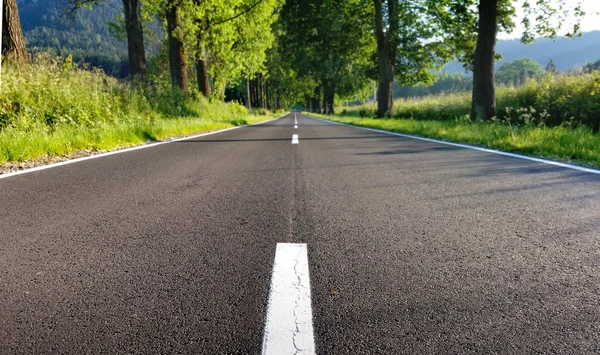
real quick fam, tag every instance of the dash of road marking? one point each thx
(289, 328)
(295, 126)
(295, 139)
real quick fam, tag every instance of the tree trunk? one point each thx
(483, 106)
(255, 91)
(263, 93)
(328, 96)
(316, 100)
(248, 104)
(330, 99)
(202, 76)
(177, 61)
(13, 43)
(324, 106)
(135, 38)
(386, 57)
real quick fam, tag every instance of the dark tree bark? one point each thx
(177, 61)
(316, 100)
(328, 97)
(13, 43)
(252, 100)
(255, 91)
(324, 102)
(248, 104)
(202, 76)
(135, 37)
(263, 92)
(483, 106)
(386, 57)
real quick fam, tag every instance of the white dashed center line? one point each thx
(289, 328)
(295, 139)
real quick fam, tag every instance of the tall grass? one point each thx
(556, 118)
(554, 100)
(50, 108)
(578, 145)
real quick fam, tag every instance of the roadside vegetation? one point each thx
(51, 108)
(556, 116)
(191, 65)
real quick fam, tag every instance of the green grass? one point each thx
(554, 100)
(48, 109)
(554, 118)
(574, 145)
(19, 146)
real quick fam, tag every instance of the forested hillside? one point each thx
(86, 36)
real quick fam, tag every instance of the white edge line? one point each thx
(487, 150)
(119, 151)
(288, 325)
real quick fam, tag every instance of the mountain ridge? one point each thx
(565, 53)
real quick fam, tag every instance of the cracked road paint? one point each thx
(289, 328)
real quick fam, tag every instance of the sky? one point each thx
(590, 22)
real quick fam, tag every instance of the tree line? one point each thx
(275, 53)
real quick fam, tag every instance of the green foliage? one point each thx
(561, 143)
(557, 100)
(519, 71)
(325, 44)
(47, 108)
(546, 18)
(593, 66)
(446, 83)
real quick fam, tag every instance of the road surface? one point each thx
(413, 247)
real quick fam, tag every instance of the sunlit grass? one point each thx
(553, 118)
(562, 143)
(48, 110)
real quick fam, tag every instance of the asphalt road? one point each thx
(413, 247)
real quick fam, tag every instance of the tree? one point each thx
(328, 44)
(549, 17)
(13, 43)
(483, 104)
(135, 37)
(386, 54)
(518, 71)
(177, 59)
(133, 28)
(590, 67)
(551, 67)
(415, 38)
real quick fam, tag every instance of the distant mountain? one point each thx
(566, 53)
(86, 37)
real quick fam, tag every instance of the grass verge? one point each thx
(52, 111)
(561, 143)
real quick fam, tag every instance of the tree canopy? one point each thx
(278, 52)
